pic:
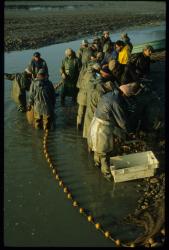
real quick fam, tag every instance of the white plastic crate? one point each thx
(133, 166)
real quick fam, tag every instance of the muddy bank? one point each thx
(150, 210)
(35, 27)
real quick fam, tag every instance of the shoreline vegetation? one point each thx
(35, 24)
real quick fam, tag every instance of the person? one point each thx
(20, 84)
(138, 65)
(69, 72)
(42, 99)
(112, 71)
(126, 40)
(90, 79)
(97, 40)
(99, 57)
(95, 49)
(110, 122)
(92, 100)
(116, 70)
(84, 54)
(38, 63)
(105, 38)
(109, 53)
(123, 52)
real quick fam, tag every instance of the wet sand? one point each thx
(56, 22)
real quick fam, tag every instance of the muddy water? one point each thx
(36, 211)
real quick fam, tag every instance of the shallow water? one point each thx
(36, 211)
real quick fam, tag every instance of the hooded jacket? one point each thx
(42, 96)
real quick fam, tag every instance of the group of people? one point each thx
(101, 77)
(42, 95)
(105, 77)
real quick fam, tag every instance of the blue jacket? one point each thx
(36, 66)
(112, 108)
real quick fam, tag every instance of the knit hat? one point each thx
(37, 54)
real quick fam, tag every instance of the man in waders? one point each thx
(69, 72)
(84, 55)
(110, 122)
(42, 98)
(38, 63)
(91, 77)
(20, 84)
(138, 65)
(93, 98)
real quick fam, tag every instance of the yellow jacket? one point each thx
(124, 55)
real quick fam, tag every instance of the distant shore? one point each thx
(39, 27)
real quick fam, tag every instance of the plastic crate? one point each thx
(133, 166)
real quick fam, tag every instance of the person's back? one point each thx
(42, 94)
(86, 56)
(124, 55)
(109, 109)
(93, 98)
(88, 83)
(42, 98)
(109, 122)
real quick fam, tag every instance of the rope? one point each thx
(76, 205)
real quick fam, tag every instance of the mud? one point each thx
(150, 211)
(37, 24)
